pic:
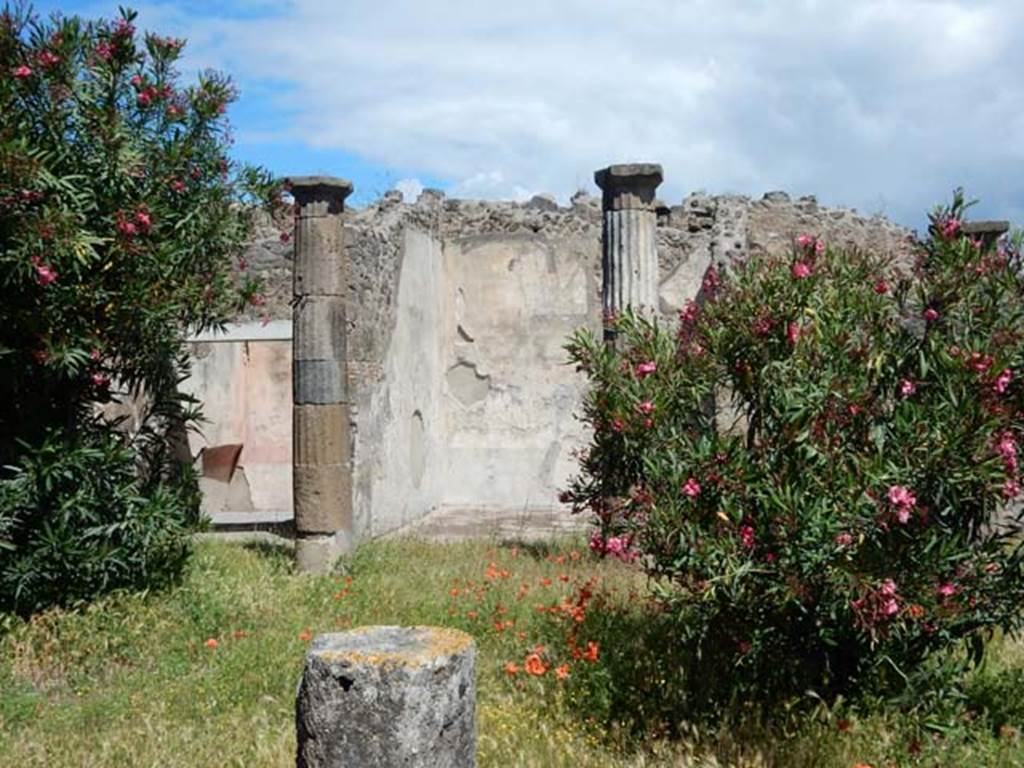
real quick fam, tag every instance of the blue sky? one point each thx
(882, 105)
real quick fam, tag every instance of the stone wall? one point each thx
(458, 311)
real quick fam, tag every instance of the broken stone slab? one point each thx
(377, 697)
(543, 202)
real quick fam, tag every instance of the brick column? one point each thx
(629, 262)
(321, 439)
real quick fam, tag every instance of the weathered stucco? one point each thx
(457, 314)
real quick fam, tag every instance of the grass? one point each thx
(131, 680)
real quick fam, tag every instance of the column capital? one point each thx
(327, 191)
(628, 185)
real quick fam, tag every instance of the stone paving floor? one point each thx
(446, 524)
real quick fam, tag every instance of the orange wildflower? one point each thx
(562, 672)
(591, 653)
(563, 577)
(534, 665)
(545, 582)
(211, 643)
(305, 635)
(238, 634)
(454, 591)
(511, 669)
(472, 614)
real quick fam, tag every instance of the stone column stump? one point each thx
(378, 697)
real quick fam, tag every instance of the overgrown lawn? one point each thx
(205, 674)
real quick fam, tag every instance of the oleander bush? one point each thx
(120, 217)
(819, 466)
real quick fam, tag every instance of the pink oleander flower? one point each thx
(901, 496)
(711, 281)
(801, 270)
(597, 543)
(931, 315)
(646, 369)
(48, 59)
(1007, 449)
(950, 228)
(143, 219)
(646, 407)
(945, 590)
(903, 499)
(126, 227)
(99, 380)
(105, 50)
(844, 539)
(907, 388)
(136, 80)
(178, 186)
(285, 237)
(979, 362)
(22, 72)
(888, 588)
(1002, 381)
(881, 287)
(1011, 489)
(891, 607)
(689, 313)
(619, 548)
(123, 29)
(45, 274)
(805, 240)
(691, 488)
(144, 98)
(747, 536)
(793, 333)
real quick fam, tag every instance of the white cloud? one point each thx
(410, 189)
(855, 101)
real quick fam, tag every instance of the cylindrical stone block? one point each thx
(382, 697)
(322, 498)
(322, 434)
(319, 328)
(319, 247)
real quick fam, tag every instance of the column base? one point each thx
(318, 554)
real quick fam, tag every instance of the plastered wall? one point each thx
(458, 312)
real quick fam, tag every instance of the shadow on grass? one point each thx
(280, 554)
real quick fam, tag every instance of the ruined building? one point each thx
(450, 326)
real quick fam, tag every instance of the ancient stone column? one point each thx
(629, 241)
(321, 441)
(380, 697)
(988, 232)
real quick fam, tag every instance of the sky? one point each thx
(880, 105)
